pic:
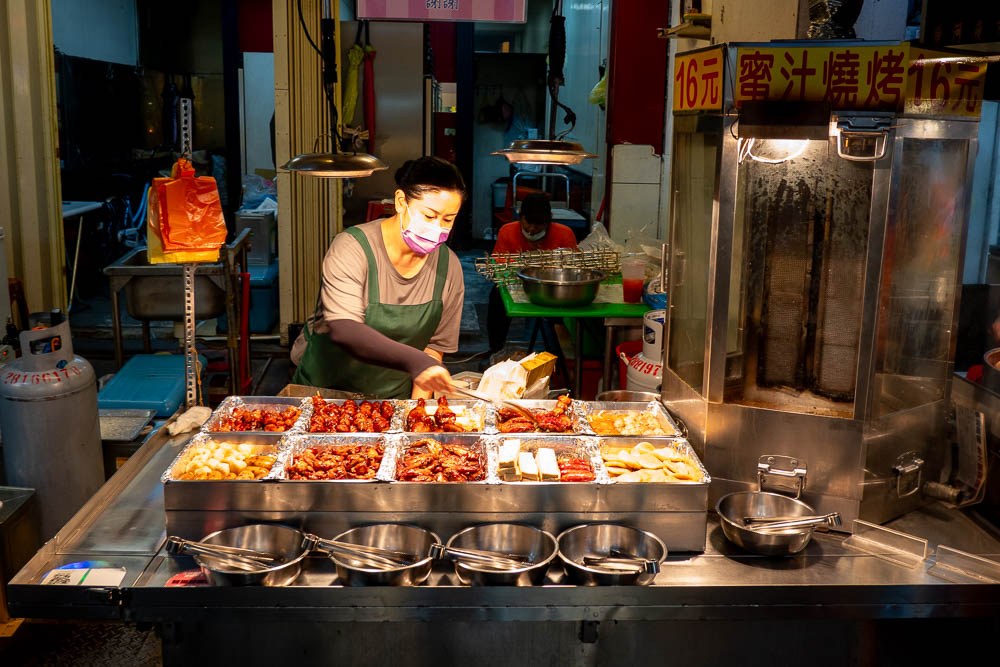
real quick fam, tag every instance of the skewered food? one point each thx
(575, 470)
(428, 460)
(257, 419)
(552, 421)
(646, 463)
(359, 461)
(225, 460)
(368, 417)
(443, 419)
(631, 422)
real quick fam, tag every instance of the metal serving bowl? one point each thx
(513, 538)
(598, 539)
(393, 536)
(625, 396)
(732, 508)
(560, 287)
(268, 537)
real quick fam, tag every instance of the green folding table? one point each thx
(613, 314)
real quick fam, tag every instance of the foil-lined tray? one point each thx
(483, 446)
(478, 414)
(261, 443)
(395, 424)
(654, 408)
(682, 446)
(575, 412)
(582, 447)
(297, 443)
(278, 403)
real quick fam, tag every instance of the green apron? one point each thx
(326, 364)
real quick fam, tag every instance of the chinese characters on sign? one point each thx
(499, 11)
(888, 78)
(863, 77)
(698, 80)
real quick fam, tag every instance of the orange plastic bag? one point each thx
(190, 214)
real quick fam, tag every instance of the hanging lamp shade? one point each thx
(544, 151)
(335, 165)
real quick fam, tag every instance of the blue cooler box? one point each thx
(148, 381)
(263, 300)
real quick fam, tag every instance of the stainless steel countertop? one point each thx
(124, 525)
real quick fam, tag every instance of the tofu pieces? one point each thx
(548, 469)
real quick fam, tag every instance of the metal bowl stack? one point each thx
(560, 287)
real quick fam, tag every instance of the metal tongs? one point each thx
(619, 560)
(524, 412)
(248, 560)
(772, 523)
(376, 557)
(491, 559)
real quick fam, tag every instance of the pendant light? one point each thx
(333, 164)
(554, 150)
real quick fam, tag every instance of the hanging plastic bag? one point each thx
(599, 93)
(598, 239)
(184, 217)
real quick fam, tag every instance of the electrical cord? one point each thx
(302, 22)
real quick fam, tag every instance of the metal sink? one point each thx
(156, 291)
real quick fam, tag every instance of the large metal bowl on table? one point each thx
(601, 539)
(537, 545)
(270, 538)
(732, 509)
(560, 287)
(391, 536)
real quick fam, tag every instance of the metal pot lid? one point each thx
(544, 151)
(335, 165)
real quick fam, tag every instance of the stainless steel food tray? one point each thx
(660, 414)
(261, 402)
(261, 443)
(481, 445)
(575, 413)
(395, 424)
(295, 444)
(563, 445)
(123, 425)
(479, 411)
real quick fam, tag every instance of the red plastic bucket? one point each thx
(629, 348)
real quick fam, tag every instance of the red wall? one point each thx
(442, 35)
(638, 73)
(256, 34)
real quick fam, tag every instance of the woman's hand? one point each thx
(434, 379)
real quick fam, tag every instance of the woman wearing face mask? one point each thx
(534, 230)
(390, 303)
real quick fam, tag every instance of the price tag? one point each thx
(95, 577)
(698, 80)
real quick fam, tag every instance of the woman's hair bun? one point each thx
(428, 174)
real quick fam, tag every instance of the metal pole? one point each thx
(190, 354)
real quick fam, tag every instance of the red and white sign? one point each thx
(499, 11)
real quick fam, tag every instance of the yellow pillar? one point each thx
(309, 208)
(30, 192)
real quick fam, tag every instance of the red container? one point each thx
(632, 290)
(629, 348)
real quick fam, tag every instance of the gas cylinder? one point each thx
(49, 425)
(645, 370)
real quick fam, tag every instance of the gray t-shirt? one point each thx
(345, 287)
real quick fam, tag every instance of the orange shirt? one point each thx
(510, 239)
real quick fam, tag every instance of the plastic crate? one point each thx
(150, 381)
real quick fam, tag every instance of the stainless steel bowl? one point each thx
(732, 508)
(991, 369)
(393, 536)
(269, 537)
(560, 287)
(512, 538)
(598, 539)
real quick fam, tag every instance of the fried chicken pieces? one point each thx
(551, 421)
(259, 419)
(350, 417)
(359, 461)
(444, 418)
(428, 460)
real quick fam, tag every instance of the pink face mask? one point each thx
(423, 237)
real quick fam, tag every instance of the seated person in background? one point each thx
(534, 230)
